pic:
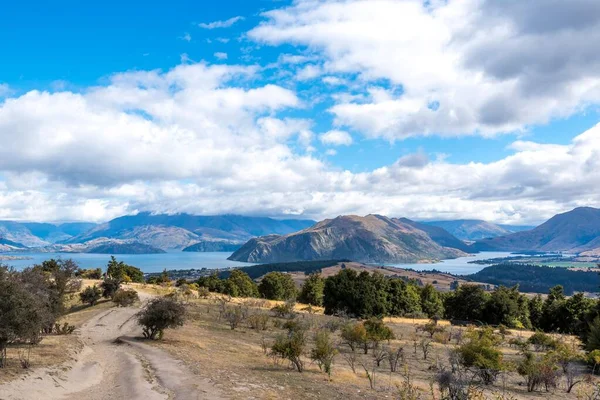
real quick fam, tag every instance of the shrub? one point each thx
(239, 284)
(234, 316)
(291, 347)
(324, 351)
(64, 329)
(377, 331)
(541, 341)
(542, 371)
(109, 287)
(125, 297)
(203, 292)
(481, 355)
(90, 295)
(160, 314)
(432, 328)
(258, 321)
(90, 273)
(354, 335)
(284, 310)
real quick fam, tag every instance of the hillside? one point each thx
(36, 234)
(373, 238)
(576, 231)
(124, 248)
(9, 245)
(180, 231)
(439, 235)
(213, 246)
(475, 229)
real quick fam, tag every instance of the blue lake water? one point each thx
(146, 262)
(457, 266)
(185, 260)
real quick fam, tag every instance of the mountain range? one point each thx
(476, 229)
(373, 238)
(575, 231)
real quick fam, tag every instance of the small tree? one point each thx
(425, 345)
(354, 335)
(324, 351)
(90, 295)
(234, 316)
(377, 332)
(125, 297)
(160, 314)
(291, 347)
(394, 357)
(312, 290)
(481, 356)
(109, 287)
(258, 321)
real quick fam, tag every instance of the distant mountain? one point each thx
(124, 248)
(439, 235)
(183, 230)
(574, 231)
(35, 234)
(373, 238)
(214, 246)
(475, 229)
(9, 245)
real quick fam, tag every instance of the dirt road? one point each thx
(113, 365)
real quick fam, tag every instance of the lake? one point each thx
(457, 266)
(146, 262)
(190, 260)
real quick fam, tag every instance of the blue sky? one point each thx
(348, 69)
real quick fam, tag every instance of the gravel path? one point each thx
(113, 365)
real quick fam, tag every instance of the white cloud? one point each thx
(220, 55)
(5, 90)
(331, 152)
(464, 66)
(223, 40)
(308, 72)
(186, 37)
(336, 138)
(221, 24)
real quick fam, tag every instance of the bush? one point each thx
(90, 273)
(277, 286)
(160, 314)
(125, 297)
(234, 316)
(109, 287)
(239, 284)
(377, 331)
(481, 355)
(258, 321)
(291, 347)
(324, 351)
(284, 310)
(203, 292)
(355, 335)
(90, 295)
(541, 341)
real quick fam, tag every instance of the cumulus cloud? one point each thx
(336, 138)
(221, 24)
(220, 56)
(462, 66)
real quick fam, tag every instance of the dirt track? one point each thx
(113, 365)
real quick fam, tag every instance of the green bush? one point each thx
(160, 314)
(324, 351)
(312, 290)
(277, 286)
(481, 355)
(90, 295)
(291, 347)
(125, 297)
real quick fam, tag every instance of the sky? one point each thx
(438, 109)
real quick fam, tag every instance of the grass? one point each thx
(236, 361)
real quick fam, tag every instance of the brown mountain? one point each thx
(577, 231)
(373, 238)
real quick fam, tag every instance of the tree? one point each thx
(312, 290)
(239, 284)
(212, 283)
(354, 335)
(90, 295)
(593, 336)
(324, 351)
(160, 314)
(22, 315)
(431, 302)
(403, 298)
(277, 286)
(466, 303)
(119, 270)
(536, 305)
(90, 273)
(503, 307)
(361, 295)
(377, 331)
